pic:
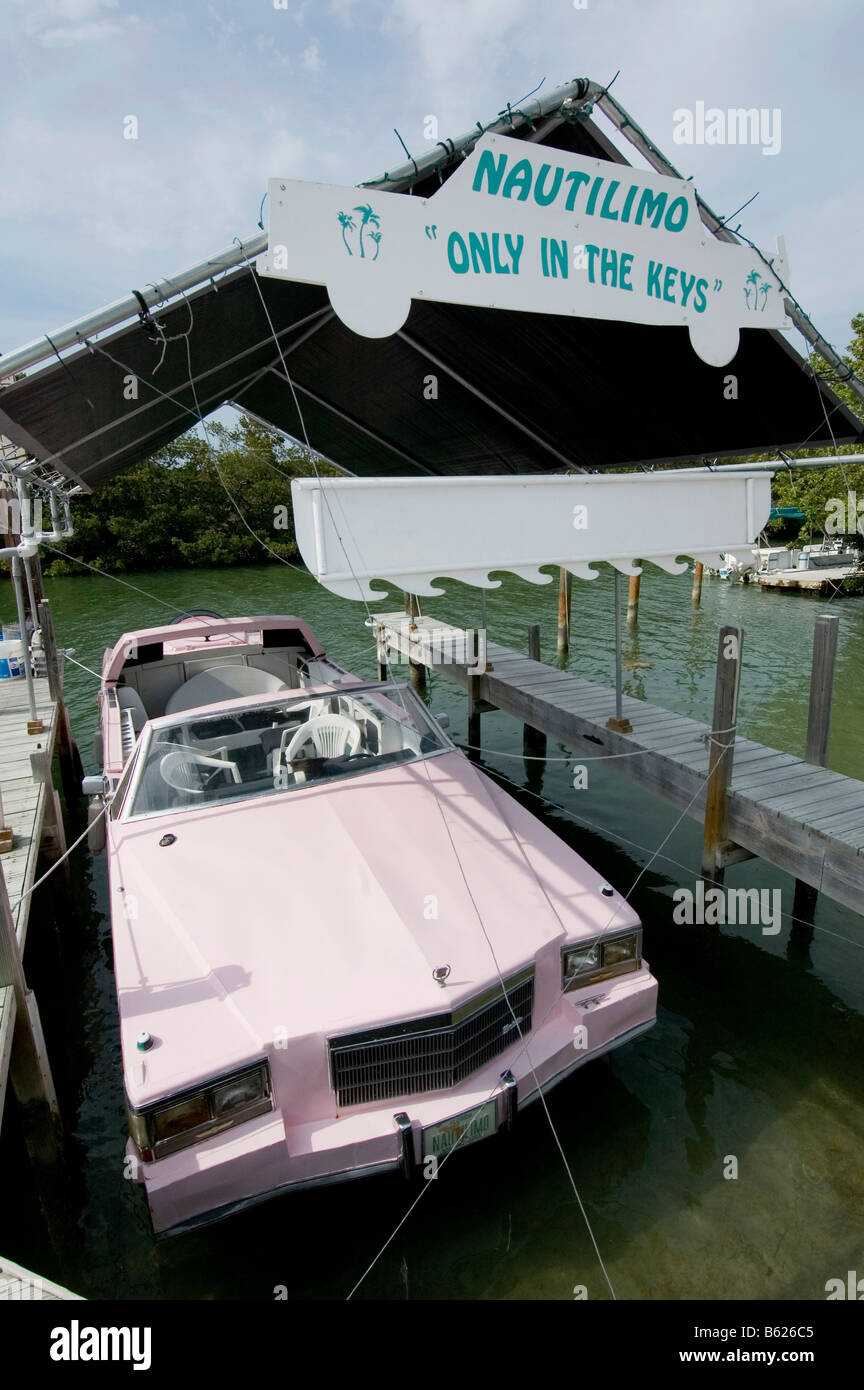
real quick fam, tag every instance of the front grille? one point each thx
(431, 1054)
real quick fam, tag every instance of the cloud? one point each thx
(449, 32)
(311, 57)
(70, 23)
(344, 11)
(74, 34)
(268, 45)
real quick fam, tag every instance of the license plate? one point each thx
(474, 1124)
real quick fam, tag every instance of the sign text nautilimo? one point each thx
(519, 226)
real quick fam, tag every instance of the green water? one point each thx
(756, 1054)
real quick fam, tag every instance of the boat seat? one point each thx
(182, 770)
(219, 683)
(318, 673)
(127, 698)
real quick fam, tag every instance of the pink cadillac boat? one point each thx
(340, 948)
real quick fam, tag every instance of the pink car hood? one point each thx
(325, 910)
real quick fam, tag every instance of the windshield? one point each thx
(284, 745)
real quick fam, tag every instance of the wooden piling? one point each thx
(721, 750)
(53, 832)
(29, 1067)
(533, 741)
(565, 592)
(633, 597)
(696, 592)
(818, 729)
(821, 689)
(618, 723)
(416, 669)
(475, 704)
(38, 585)
(71, 770)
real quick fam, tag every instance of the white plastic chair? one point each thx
(331, 735)
(177, 770)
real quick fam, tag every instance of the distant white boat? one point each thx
(830, 554)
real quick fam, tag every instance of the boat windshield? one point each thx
(296, 741)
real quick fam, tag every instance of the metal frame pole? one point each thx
(22, 620)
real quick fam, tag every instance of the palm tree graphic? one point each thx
(347, 221)
(752, 279)
(376, 237)
(369, 218)
(763, 290)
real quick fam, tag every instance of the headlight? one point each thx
(180, 1120)
(600, 960)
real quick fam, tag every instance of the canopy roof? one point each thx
(516, 392)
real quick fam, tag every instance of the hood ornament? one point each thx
(441, 974)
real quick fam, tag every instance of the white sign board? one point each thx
(412, 531)
(522, 226)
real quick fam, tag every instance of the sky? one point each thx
(228, 93)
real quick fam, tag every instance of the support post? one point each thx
(71, 770)
(7, 836)
(721, 750)
(29, 1067)
(53, 833)
(31, 592)
(38, 585)
(416, 669)
(821, 689)
(565, 593)
(475, 704)
(618, 723)
(533, 740)
(696, 592)
(633, 597)
(818, 734)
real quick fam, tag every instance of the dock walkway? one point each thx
(802, 818)
(29, 803)
(827, 581)
(19, 1284)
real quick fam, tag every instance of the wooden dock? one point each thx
(31, 808)
(19, 1284)
(798, 816)
(826, 582)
